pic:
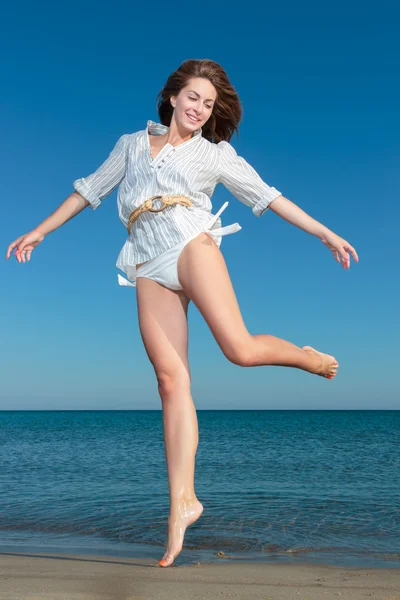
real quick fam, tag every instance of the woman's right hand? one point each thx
(25, 245)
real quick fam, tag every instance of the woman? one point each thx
(166, 176)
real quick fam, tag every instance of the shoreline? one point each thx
(47, 576)
(86, 546)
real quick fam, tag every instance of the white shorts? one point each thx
(164, 268)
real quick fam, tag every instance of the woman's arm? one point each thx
(25, 244)
(295, 215)
(71, 207)
(89, 191)
(240, 178)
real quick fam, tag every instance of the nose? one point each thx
(198, 108)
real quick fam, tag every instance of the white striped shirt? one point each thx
(193, 168)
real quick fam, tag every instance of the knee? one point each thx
(169, 384)
(240, 354)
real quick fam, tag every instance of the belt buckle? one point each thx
(157, 209)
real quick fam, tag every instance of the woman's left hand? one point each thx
(340, 248)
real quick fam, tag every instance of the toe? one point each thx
(166, 560)
(165, 563)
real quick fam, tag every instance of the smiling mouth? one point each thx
(193, 119)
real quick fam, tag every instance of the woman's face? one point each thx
(194, 103)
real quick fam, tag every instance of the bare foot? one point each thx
(187, 513)
(325, 364)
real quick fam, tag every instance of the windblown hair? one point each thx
(227, 111)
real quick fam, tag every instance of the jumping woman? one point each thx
(166, 175)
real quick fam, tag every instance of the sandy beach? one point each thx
(71, 577)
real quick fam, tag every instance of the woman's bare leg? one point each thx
(205, 279)
(164, 330)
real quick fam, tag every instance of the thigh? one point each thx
(164, 329)
(204, 277)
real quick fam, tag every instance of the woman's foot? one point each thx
(324, 364)
(184, 515)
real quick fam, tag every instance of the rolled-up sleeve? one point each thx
(239, 177)
(107, 177)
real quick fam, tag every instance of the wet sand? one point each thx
(42, 576)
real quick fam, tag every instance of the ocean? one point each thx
(291, 485)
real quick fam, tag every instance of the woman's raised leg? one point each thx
(205, 279)
(163, 326)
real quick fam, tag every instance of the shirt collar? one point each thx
(158, 129)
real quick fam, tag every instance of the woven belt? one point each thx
(148, 206)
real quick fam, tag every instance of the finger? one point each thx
(350, 248)
(345, 259)
(24, 252)
(19, 252)
(12, 246)
(354, 253)
(28, 254)
(336, 255)
(18, 256)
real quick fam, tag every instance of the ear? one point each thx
(173, 101)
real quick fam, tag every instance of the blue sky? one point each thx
(320, 122)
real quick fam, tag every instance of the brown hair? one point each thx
(227, 111)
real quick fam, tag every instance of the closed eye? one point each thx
(208, 106)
